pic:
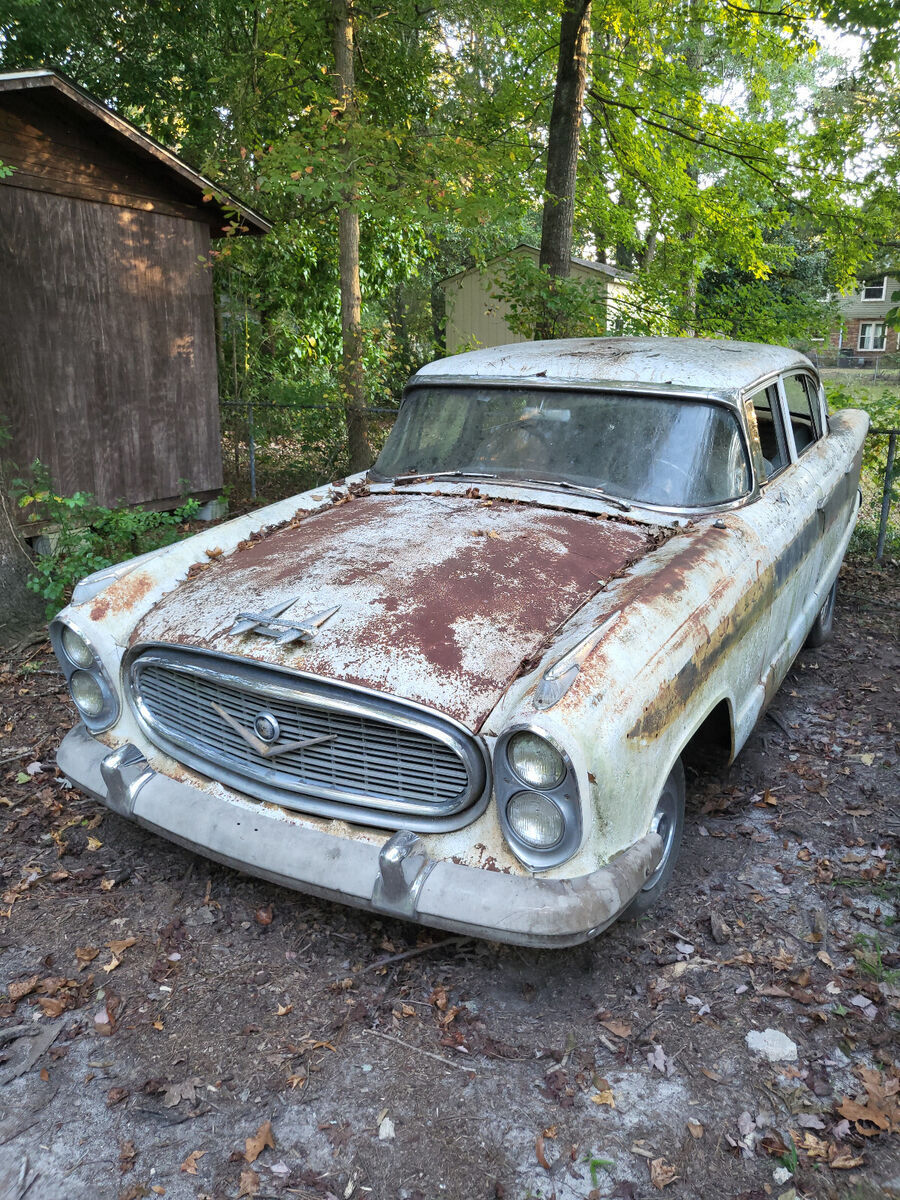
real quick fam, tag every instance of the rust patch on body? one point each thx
(439, 598)
(122, 596)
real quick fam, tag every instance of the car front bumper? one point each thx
(396, 877)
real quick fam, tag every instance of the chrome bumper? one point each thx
(395, 877)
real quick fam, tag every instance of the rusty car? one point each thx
(460, 688)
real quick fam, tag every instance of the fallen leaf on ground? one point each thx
(621, 1029)
(695, 1129)
(283, 1010)
(53, 1006)
(661, 1173)
(844, 1160)
(85, 955)
(116, 1095)
(189, 1166)
(864, 1112)
(127, 1156)
(22, 987)
(264, 916)
(604, 1097)
(120, 945)
(255, 1145)
(249, 1183)
(112, 964)
(176, 1092)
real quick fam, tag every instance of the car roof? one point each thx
(719, 367)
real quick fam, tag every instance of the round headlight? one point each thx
(76, 648)
(87, 693)
(535, 761)
(535, 820)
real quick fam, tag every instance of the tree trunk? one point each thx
(352, 381)
(562, 145)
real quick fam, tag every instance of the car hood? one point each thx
(439, 598)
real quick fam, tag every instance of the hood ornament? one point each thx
(266, 623)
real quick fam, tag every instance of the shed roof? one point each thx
(698, 364)
(524, 247)
(68, 97)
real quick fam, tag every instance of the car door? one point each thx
(836, 478)
(790, 522)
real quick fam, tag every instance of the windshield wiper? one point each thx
(443, 475)
(584, 490)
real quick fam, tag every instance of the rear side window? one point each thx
(772, 441)
(803, 410)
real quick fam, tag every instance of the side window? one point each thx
(771, 430)
(803, 409)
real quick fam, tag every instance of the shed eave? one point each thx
(143, 142)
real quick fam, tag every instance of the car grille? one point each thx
(385, 761)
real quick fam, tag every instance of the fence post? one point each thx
(886, 496)
(252, 448)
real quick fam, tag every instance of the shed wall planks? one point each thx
(107, 361)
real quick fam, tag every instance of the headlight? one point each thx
(76, 648)
(90, 685)
(538, 803)
(535, 820)
(535, 761)
(87, 694)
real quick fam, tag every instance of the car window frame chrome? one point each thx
(733, 401)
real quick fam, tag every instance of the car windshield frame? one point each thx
(542, 393)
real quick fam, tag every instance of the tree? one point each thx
(352, 383)
(562, 143)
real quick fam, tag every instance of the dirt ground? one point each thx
(171, 1027)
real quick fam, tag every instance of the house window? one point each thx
(873, 289)
(872, 335)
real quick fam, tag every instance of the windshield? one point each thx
(675, 453)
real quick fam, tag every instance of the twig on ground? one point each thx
(16, 754)
(416, 1050)
(394, 958)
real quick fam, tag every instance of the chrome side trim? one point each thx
(266, 782)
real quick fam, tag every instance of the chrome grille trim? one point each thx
(394, 763)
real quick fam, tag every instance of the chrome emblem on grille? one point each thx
(266, 728)
(261, 746)
(266, 623)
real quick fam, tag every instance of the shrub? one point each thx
(86, 536)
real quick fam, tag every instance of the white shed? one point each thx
(475, 317)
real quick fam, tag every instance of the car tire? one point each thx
(824, 622)
(668, 821)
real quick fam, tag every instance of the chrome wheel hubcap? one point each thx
(665, 824)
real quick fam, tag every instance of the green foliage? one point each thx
(574, 307)
(883, 407)
(736, 203)
(86, 537)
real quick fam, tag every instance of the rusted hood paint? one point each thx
(440, 598)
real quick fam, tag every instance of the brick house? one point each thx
(863, 333)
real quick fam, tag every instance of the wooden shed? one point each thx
(108, 357)
(477, 317)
